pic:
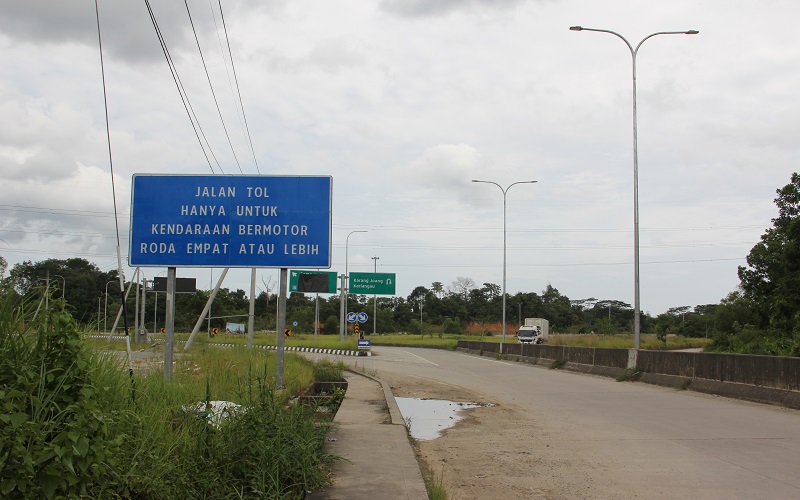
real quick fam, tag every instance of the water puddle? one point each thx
(428, 418)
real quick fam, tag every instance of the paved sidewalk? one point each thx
(368, 432)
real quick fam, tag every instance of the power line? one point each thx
(198, 130)
(238, 90)
(211, 86)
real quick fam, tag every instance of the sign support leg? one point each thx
(170, 323)
(142, 332)
(281, 326)
(205, 310)
(136, 312)
(342, 307)
(251, 317)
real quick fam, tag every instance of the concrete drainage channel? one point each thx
(339, 352)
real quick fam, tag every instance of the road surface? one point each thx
(558, 434)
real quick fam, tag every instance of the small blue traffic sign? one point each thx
(364, 344)
(351, 317)
(295, 323)
(362, 317)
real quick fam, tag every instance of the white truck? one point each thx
(533, 331)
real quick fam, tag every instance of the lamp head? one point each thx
(576, 28)
(692, 32)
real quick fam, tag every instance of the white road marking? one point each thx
(420, 357)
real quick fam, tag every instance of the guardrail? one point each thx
(765, 379)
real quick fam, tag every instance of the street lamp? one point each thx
(375, 301)
(343, 300)
(505, 191)
(64, 287)
(634, 51)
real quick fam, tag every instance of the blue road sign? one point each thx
(351, 317)
(230, 221)
(364, 344)
(362, 317)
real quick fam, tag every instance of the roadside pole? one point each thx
(141, 334)
(342, 306)
(316, 317)
(136, 310)
(281, 326)
(125, 299)
(170, 323)
(251, 316)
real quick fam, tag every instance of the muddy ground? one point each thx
(493, 453)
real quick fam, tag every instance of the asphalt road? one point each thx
(656, 441)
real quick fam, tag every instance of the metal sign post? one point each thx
(170, 323)
(343, 279)
(281, 327)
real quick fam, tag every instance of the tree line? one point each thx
(762, 316)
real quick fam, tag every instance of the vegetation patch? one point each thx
(629, 375)
(558, 364)
(435, 486)
(74, 423)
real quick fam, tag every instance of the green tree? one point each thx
(78, 281)
(772, 277)
(331, 326)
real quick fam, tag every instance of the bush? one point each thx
(70, 426)
(331, 325)
(452, 325)
(54, 439)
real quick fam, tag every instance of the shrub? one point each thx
(54, 440)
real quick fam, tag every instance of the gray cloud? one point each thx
(126, 28)
(433, 8)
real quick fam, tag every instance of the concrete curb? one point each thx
(339, 352)
(391, 403)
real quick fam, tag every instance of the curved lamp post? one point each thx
(63, 287)
(505, 191)
(343, 301)
(634, 52)
(375, 301)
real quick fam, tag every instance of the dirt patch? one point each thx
(494, 453)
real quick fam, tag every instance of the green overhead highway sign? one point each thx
(372, 283)
(312, 281)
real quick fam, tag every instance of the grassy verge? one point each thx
(74, 423)
(449, 341)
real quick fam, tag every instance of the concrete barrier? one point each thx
(764, 379)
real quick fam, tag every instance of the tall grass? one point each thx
(626, 341)
(73, 423)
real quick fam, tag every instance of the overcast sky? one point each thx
(403, 102)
